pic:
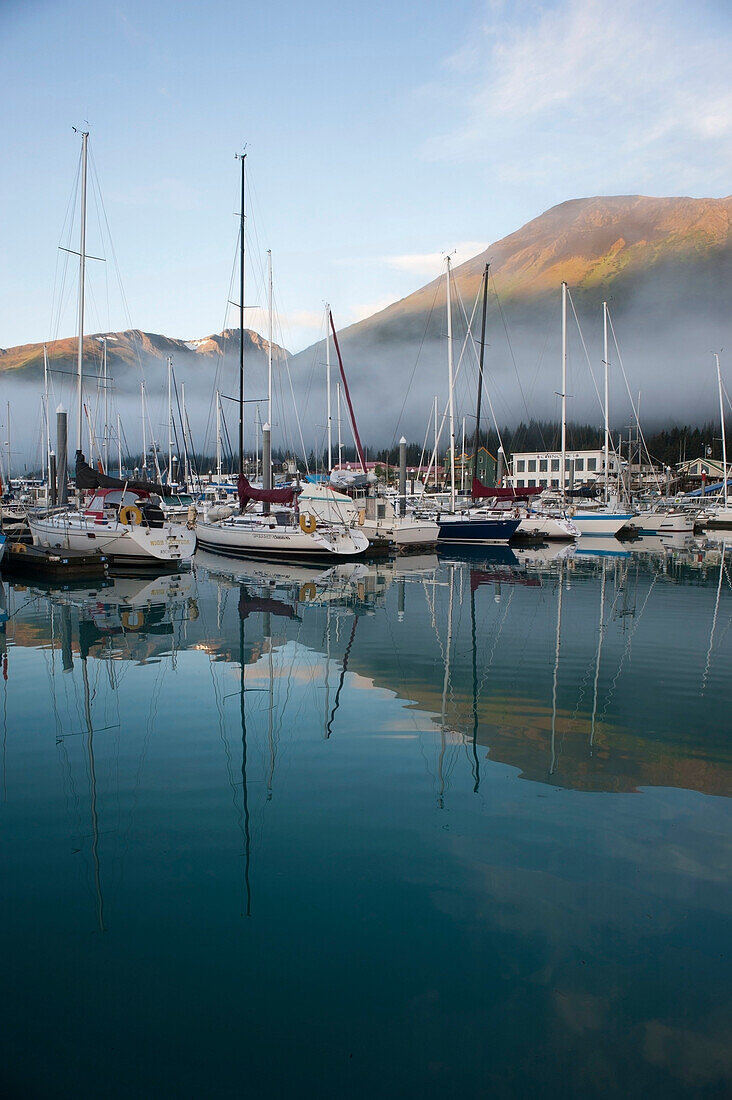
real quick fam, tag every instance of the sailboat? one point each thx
(600, 519)
(122, 520)
(533, 525)
(481, 525)
(721, 515)
(286, 534)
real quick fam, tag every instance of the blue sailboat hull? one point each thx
(470, 532)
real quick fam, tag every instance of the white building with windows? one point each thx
(532, 468)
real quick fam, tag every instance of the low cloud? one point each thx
(430, 264)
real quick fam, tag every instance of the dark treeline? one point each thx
(667, 446)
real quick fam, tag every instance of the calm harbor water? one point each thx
(453, 826)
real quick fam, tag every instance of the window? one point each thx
(591, 463)
(520, 466)
(542, 465)
(555, 483)
(520, 483)
(531, 467)
(579, 464)
(532, 482)
(555, 469)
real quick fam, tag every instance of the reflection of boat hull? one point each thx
(498, 554)
(539, 556)
(275, 573)
(601, 547)
(660, 544)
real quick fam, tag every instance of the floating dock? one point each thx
(20, 559)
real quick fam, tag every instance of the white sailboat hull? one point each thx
(600, 523)
(662, 523)
(719, 517)
(243, 537)
(330, 506)
(537, 526)
(126, 544)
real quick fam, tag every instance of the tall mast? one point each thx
(218, 436)
(563, 478)
(269, 350)
(437, 440)
(476, 442)
(338, 406)
(183, 423)
(82, 276)
(607, 401)
(327, 388)
(724, 438)
(356, 436)
(48, 421)
(170, 420)
(119, 448)
(144, 434)
(450, 387)
(242, 253)
(105, 446)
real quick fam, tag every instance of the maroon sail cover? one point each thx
(481, 490)
(504, 576)
(271, 496)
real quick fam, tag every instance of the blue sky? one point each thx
(379, 137)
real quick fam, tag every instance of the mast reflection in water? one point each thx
(443, 825)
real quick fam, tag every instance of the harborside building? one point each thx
(541, 468)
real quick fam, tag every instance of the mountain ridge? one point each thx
(129, 347)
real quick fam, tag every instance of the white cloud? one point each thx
(635, 90)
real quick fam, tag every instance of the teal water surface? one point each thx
(434, 827)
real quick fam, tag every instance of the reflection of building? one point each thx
(530, 468)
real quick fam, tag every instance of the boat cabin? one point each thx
(126, 505)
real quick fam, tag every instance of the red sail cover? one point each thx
(481, 490)
(504, 576)
(271, 496)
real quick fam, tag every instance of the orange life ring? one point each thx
(308, 591)
(132, 620)
(130, 515)
(308, 525)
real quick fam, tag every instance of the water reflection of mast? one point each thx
(476, 766)
(601, 634)
(708, 663)
(68, 664)
(93, 795)
(556, 667)
(270, 720)
(245, 793)
(445, 683)
(344, 669)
